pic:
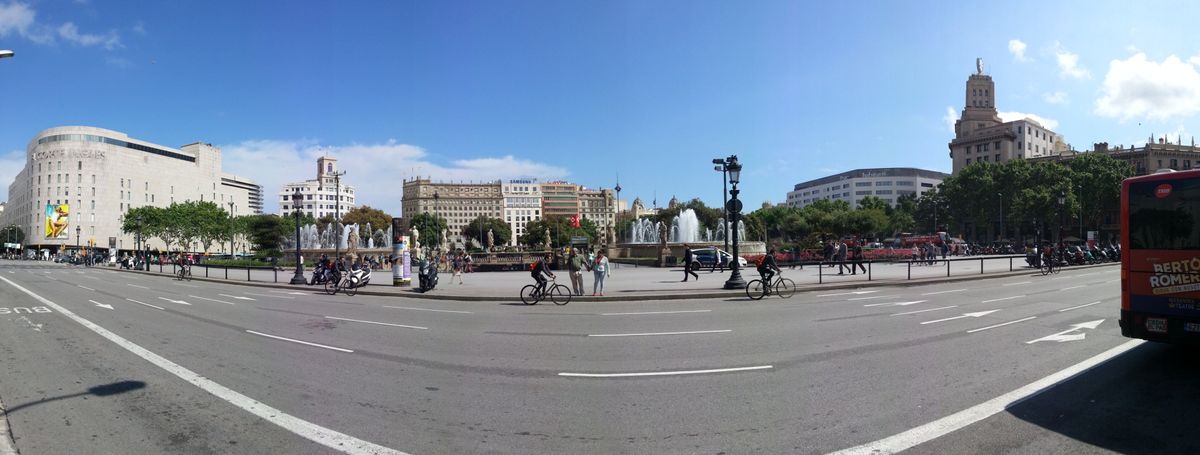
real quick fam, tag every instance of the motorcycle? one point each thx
(358, 277)
(321, 274)
(428, 278)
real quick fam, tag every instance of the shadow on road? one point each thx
(105, 390)
(1144, 401)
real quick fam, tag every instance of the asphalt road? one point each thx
(820, 372)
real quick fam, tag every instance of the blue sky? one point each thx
(652, 90)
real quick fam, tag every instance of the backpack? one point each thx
(759, 261)
(533, 266)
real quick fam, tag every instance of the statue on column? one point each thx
(491, 240)
(547, 233)
(352, 244)
(444, 241)
(663, 251)
(416, 241)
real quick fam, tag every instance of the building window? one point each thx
(1020, 145)
(884, 183)
(997, 145)
(883, 191)
(997, 157)
(858, 184)
(1174, 163)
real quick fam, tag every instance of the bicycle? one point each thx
(782, 287)
(1048, 266)
(184, 273)
(558, 293)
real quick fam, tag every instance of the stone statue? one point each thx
(547, 232)
(663, 252)
(444, 241)
(352, 244)
(979, 66)
(416, 243)
(491, 240)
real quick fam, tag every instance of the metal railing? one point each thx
(868, 264)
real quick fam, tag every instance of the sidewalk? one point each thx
(630, 283)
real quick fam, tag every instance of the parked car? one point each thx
(706, 257)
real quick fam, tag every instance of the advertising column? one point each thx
(400, 276)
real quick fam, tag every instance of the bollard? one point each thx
(869, 270)
(948, 268)
(981, 266)
(206, 270)
(910, 270)
(226, 272)
(247, 273)
(1010, 263)
(820, 273)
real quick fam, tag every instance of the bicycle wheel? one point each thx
(560, 295)
(188, 274)
(755, 289)
(1055, 269)
(331, 286)
(351, 289)
(529, 294)
(785, 288)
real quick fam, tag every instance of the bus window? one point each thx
(1163, 215)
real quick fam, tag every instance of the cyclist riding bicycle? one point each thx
(767, 268)
(539, 270)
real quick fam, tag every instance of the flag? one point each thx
(575, 221)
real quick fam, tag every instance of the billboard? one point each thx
(57, 221)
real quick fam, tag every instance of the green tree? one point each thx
(477, 230)
(208, 222)
(430, 227)
(366, 214)
(931, 212)
(12, 234)
(560, 231)
(324, 222)
(1096, 179)
(265, 233)
(873, 203)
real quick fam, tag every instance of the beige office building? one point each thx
(99, 174)
(598, 205)
(325, 195)
(981, 137)
(458, 203)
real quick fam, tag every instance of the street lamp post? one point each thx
(1001, 215)
(1079, 196)
(617, 216)
(720, 166)
(78, 231)
(734, 207)
(297, 199)
(437, 237)
(1062, 199)
(337, 214)
(230, 229)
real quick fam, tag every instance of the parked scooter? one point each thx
(427, 275)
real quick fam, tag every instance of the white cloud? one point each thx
(1049, 123)
(1017, 49)
(950, 117)
(1138, 87)
(375, 170)
(139, 28)
(69, 32)
(1059, 97)
(11, 163)
(1068, 64)
(19, 19)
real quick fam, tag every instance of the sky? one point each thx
(645, 91)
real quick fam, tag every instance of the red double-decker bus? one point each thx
(1160, 261)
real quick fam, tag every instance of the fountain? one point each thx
(684, 228)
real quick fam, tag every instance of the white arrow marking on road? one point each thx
(236, 297)
(897, 303)
(847, 293)
(101, 305)
(923, 311)
(174, 301)
(146, 304)
(964, 315)
(1066, 335)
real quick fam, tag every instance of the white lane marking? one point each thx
(1003, 298)
(964, 315)
(92, 277)
(235, 297)
(922, 311)
(186, 285)
(1001, 324)
(136, 286)
(146, 304)
(211, 300)
(427, 309)
(1017, 283)
(1073, 287)
(308, 430)
(663, 373)
(289, 292)
(659, 333)
(1066, 335)
(944, 292)
(871, 297)
(1078, 307)
(174, 301)
(378, 323)
(846, 293)
(271, 296)
(298, 341)
(101, 305)
(655, 312)
(85, 287)
(966, 417)
(914, 302)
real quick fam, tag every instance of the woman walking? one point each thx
(599, 272)
(457, 264)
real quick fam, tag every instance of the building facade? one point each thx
(1146, 159)
(638, 209)
(522, 204)
(981, 137)
(852, 186)
(86, 178)
(324, 195)
(600, 206)
(457, 203)
(560, 199)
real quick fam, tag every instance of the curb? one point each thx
(644, 297)
(7, 442)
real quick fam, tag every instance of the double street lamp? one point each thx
(297, 199)
(1062, 199)
(734, 208)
